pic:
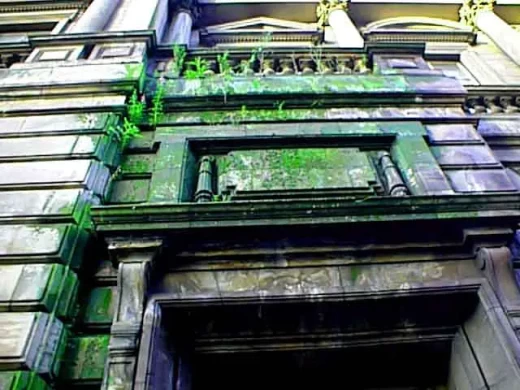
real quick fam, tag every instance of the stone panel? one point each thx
(21, 380)
(484, 180)
(439, 134)
(41, 243)
(84, 360)
(499, 128)
(82, 146)
(98, 310)
(84, 73)
(44, 204)
(30, 341)
(494, 345)
(419, 168)
(295, 169)
(51, 124)
(37, 287)
(41, 174)
(464, 155)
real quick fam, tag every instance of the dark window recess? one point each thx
(297, 173)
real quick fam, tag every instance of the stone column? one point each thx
(139, 15)
(502, 34)
(180, 29)
(135, 258)
(96, 17)
(334, 12)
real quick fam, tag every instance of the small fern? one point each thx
(135, 108)
(179, 56)
(157, 109)
(198, 68)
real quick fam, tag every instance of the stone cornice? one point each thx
(217, 215)
(40, 5)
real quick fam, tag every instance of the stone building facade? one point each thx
(259, 194)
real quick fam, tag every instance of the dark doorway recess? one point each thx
(418, 365)
(399, 341)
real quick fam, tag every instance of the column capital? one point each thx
(189, 6)
(470, 8)
(325, 7)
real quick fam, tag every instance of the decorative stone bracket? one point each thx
(134, 270)
(495, 263)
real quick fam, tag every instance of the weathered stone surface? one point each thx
(21, 380)
(84, 359)
(61, 124)
(45, 243)
(495, 346)
(464, 155)
(52, 204)
(419, 168)
(326, 280)
(40, 174)
(499, 128)
(439, 134)
(486, 180)
(464, 371)
(82, 146)
(130, 191)
(15, 339)
(98, 310)
(294, 169)
(351, 113)
(136, 164)
(31, 341)
(85, 103)
(507, 154)
(62, 75)
(349, 84)
(37, 286)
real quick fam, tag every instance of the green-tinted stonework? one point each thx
(147, 188)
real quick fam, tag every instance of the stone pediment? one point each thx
(261, 24)
(418, 29)
(255, 29)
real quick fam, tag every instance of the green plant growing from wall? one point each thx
(135, 108)
(179, 56)
(156, 112)
(316, 54)
(198, 69)
(126, 132)
(226, 74)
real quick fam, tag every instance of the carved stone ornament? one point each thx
(325, 7)
(469, 9)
